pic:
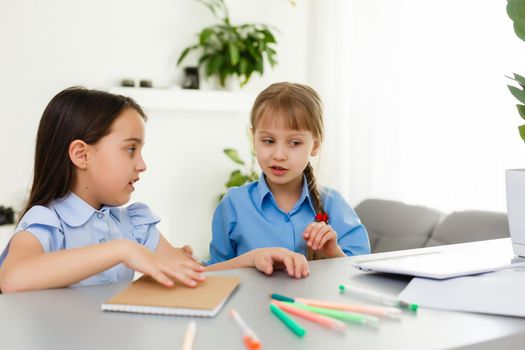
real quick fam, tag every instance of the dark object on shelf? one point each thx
(146, 83)
(128, 82)
(191, 78)
(7, 215)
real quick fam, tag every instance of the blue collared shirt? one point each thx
(248, 218)
(70, 222)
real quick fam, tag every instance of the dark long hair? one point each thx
(302, 109)
(75, 113)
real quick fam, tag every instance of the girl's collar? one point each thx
(264, 191)
(74, 211)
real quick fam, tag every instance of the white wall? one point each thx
(46, 46)
(422, 109)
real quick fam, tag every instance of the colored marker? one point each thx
(312, 316)
(189, 335)
(362, 309)
(340, 315)
(288, 321)
(379, 297)
(249, 337)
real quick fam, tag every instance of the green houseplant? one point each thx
(515, 178)
(239, 177)
(232, 50)
(516, 12)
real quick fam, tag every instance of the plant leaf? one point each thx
(521, 110)
(236, 179)
(516, 11)
(233, 155)
(519, 94)
(519, 29)
(205, 36)
(253, 176)
(214, 65)
(185, 53)
(204, 58)
(234, 53)
(522, 131)
(519, 79)
(243, 66)
(270, 53)
(268, 36)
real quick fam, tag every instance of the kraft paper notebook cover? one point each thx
(149, 297)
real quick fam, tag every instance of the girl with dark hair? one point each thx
(73, 231)
(285, 218)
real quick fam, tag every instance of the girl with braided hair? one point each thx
(284, 219)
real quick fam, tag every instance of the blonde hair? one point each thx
(301, 108)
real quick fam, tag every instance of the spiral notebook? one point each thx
(147, 296)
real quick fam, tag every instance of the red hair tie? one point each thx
(321, 217)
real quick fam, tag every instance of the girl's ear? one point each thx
(78, 153)
(252, 139)
(315, 149)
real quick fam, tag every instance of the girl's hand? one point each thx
(188, 251)
(164, 269)
(323, 239)
(269, 259)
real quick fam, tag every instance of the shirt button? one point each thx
(100, 215)
(287, 219)
(102, 240)
(24, 224)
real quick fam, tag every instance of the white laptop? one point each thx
(445, 261)
(465, 258)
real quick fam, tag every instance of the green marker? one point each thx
(288, 321)
(281, 298)
(341, 315)
(379, 297)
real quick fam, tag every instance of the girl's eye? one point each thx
(295, 143)
(267, 141)
(132, 149)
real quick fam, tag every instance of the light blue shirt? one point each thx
(70, 222)
(248, 218)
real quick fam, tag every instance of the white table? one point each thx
(71, 318)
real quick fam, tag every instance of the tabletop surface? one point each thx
(71, 318)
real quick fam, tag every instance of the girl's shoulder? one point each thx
(328, 192)
(332, 197)
(138, 214)
(240, 192)
(39, 215)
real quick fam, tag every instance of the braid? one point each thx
(315, 195)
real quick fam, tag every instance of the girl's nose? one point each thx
(141, 165)
(279, 153)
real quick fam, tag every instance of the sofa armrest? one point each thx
(394, 225)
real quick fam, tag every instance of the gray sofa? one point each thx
(394, 225)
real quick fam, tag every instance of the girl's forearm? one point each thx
(244, 260)
(63, 268)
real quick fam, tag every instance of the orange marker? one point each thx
(250, 339)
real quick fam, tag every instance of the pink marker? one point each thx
(312, 316)
(363, 309)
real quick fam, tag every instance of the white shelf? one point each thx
(176, 99)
